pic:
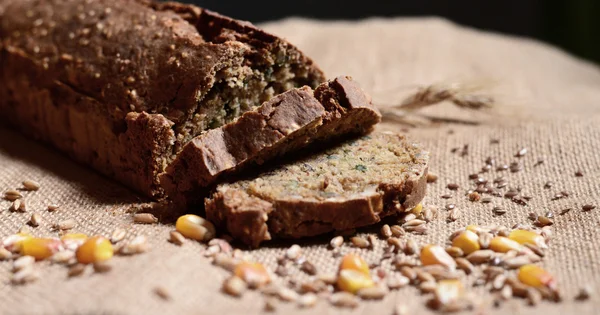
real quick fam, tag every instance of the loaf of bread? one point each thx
(288, 122)
(124, 85)
(347, 186)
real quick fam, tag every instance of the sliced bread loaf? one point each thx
(351, 185)
(287, 122)
(123, 85)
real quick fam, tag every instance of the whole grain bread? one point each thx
(351, 185)
(288, 122)
(123, 85)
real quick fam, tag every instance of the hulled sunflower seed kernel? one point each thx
(336, 241)
(360, 242)
(12, 195)
(35, 220)
(234, 286)
(145, 218)
(176, 238)
(30, 185)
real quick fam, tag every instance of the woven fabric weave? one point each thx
(547, 102)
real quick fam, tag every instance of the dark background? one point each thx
(572, 25)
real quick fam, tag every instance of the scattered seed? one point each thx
(117, 236)
(12, 195)
(360, 242)
(499, 210)
(465, 265)
(63, 257)
(548, 185)
(430, 213)
(502, 167)
(431, 178)
(137, 246)
(413, 222)
(420, 229)
(511, 194)
(428, 287)
(328, 278)
(486, 200)
(145, 218)
(386, 232)
(309, 268)
(450, 206)
(372, 293)
(76, 270)
(343, 299)
(455, 251)
(336, 241)
(506, 292)
(287, 294)
(162, 293)
(480, 256)
(424, 276)
(397, 231)
(446, 196)
(102, 266)
(584, 293)
(52, 208)
(579, 173)
(521, 152)
(293, 252)
(234, 286)
(16, 205)
(270, 305)
(5, 254)
(588, 207)
(533, 296)
(453, 186)
(517, 262)
(307, 300)
(35, 220)
(31, 185)
(397, 282)
(408, 217)
(175, 238)
(65, 224)
(474, 196)
(409, 273)
(544, 221)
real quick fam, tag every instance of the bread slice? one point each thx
(351, 185)
(123, 85)
(287, 122)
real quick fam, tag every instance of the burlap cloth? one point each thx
(549, 102)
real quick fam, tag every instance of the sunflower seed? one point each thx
(446, 196)
(588, 207)
(117, 235)
(584, 293)
(162, 293)
(336, 241)
(145, 218)
(293, 252)
(481, 256)
(65, 224)
(464, 264)
(431, 178)
(31, 185)
(486, 200)
(372, 293)
(498, 210)
(343, 299)
(517, 262)
(386, 232)
(35, 220)
(234, 286)
(397, 282)
(360, 242)
(102, 266)
(453, 186)
(12, 195)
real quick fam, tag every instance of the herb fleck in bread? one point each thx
(80, 74)
(287, 122)
(351, 185)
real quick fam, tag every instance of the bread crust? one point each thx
(74, 71)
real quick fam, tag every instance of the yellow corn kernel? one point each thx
(535, 276)
(254, 274)
(351, 280)
(448, 291)
(503, 244)
(195, 227)
(436, 255)
(527, 237)
(468, 241)
(417, 209)
(40, 248)
(354, 262)
(13, 242)
(94, 249)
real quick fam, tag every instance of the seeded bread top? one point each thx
(354, 169)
